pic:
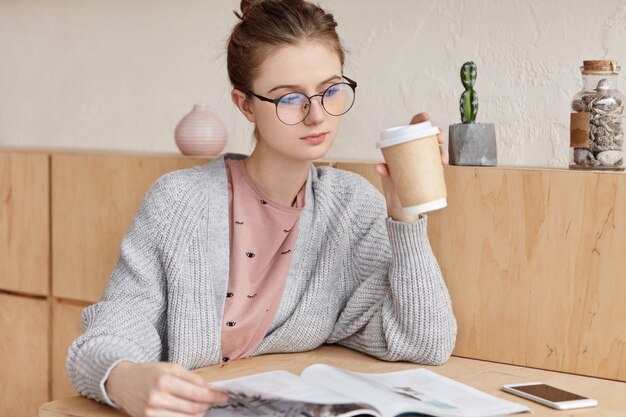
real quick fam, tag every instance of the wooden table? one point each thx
(486, 376)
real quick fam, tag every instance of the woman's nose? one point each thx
(316, 113)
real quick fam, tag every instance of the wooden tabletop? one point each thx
(486, 376)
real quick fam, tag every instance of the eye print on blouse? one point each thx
(231, 323)
(286, 231)
(262, 201)
(238, 223)
(229, 294)
(250, 255)
(251, 296)
(286, 252)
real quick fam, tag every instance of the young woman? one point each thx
(260, 254)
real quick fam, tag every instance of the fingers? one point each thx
(389, 190)
(189, 391)
(441, 137)
(184, 373)
(445, 157)
(168, 413)
(189, 376)
(385, 177)
(179, 392)
(382, 170)
(420, 117)
(171, 403)
(164, 402)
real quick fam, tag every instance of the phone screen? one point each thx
(550, 393)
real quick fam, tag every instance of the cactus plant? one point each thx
(469, 98)
(472, 143)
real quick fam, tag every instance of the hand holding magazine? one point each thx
(327, 391)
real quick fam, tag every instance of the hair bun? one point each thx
(245, 7)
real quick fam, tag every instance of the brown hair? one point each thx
(267, 24)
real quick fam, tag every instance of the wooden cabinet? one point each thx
(93, 202)
(24, 222)
(534, 261)
(80, 205)
(65, 328)
(24, 346)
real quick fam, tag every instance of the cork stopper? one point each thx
(600, 67)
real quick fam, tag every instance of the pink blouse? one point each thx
(262, 239)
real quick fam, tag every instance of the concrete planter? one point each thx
(473, 144)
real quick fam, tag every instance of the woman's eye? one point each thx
(332, 90)
(292, 99)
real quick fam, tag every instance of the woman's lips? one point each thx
(315, 139)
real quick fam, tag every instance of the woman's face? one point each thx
(308, 68)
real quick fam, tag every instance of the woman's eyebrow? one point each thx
(296, 87)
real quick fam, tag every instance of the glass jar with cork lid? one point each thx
(596, 130)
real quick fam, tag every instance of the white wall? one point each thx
(119, 74)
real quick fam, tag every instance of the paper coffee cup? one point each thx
(414, 161)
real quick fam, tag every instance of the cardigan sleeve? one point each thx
(399, 308)
(128, 323)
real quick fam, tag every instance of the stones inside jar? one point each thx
(606, 136)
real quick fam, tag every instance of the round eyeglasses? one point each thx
(292, 108)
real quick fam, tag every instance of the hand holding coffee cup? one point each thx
(412, 177)
(441, 138)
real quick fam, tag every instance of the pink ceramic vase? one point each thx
(200, 133)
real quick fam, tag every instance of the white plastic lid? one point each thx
(401, 134)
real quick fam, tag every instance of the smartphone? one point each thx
(550, 396)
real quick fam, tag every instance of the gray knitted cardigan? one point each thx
(357, 279)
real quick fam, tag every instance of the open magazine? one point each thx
(327, 391)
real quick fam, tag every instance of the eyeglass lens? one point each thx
(294, 107)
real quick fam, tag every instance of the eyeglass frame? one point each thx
(351, 83)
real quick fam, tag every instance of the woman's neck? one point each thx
(279, 178)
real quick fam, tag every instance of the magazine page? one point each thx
(357, 388)
(415, 390)
(280, 393)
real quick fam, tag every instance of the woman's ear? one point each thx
(243, 104)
